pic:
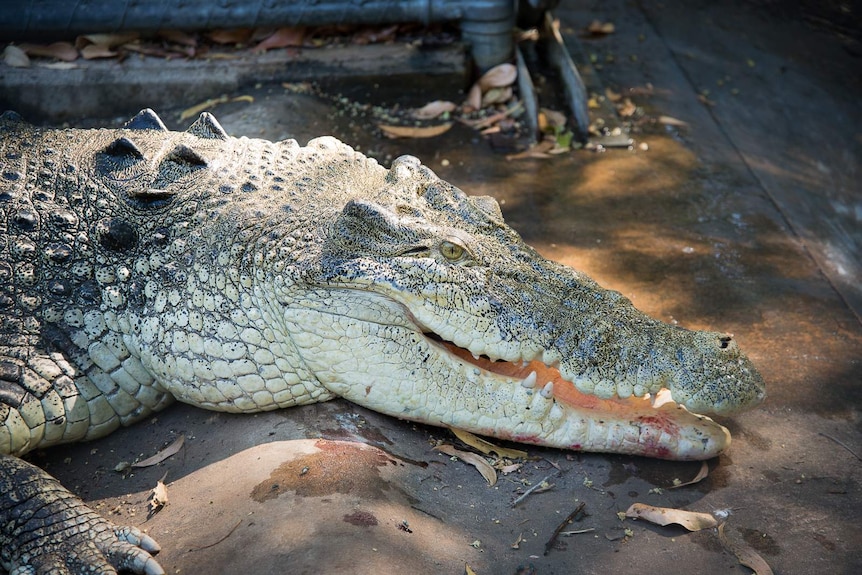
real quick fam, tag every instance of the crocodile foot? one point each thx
(46, 529)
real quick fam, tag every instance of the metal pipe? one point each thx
(485, 24)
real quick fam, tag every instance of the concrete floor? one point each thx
(746, 220)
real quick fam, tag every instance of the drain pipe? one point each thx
(485, 24)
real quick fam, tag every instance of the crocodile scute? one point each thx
(139, 266)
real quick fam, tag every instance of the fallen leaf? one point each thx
(232, 36)
(211, 103)
(593, 103)
(627, 108)
(474, 98)
(552, 118)
(518, 541)
(486, 446)
(499, 76)
(414, 131)
(539, 150)
(107, 40)
(158, 498)
(744, 553)
(95, 51)
(691, 520)
(15, 57)
(64, 51)
(282, 38)
(433, 109)
(468, 570)
(507, 469)
(613, 96)
(671, 121)
(600, 28)
(375, 35)
(179, 37)
(701, 475)
(496, 96)
(476, 461)
(163, 454)
(482, 123)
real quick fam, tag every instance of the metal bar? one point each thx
(486, 24)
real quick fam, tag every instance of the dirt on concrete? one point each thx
(744, 217)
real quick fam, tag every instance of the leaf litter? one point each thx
(477, 461)
(168, 451)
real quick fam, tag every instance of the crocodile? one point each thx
(141, 266)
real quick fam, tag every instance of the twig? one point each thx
(575, 515)
(229, 533)
(529, 491)
(578, 532)
(839, 442)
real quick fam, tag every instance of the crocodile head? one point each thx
(453, 320)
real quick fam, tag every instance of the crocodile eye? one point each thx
(451, 250)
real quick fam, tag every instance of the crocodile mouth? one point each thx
(548, 381)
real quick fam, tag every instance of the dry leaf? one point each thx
(474, 98)
(107, 40)
(518, 541)
(232, 36)
(552, 117)
(179, 37)
(744, 553)
(627, 108)
(64, 51)
(163, 454)
(94, 51)
(282, 38)
(486, 446)
(212, 102)
(613, 96)
(507, 469)
(671, 121)
(15, 57)
(515, 108)
(414, 131)
(540, 150)
(433, 109)
(691, 520)
(158, 497)
(701, 475)
(499, 76)
(496, 96)
(468, 570)
(601, 28)
(476, 461)
(375, 35)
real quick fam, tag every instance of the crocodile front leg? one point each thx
(46, 529)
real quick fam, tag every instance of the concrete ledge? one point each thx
(108, 87)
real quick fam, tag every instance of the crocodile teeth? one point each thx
(548, 391)
(530, 381)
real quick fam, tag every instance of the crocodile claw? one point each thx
(46, 529)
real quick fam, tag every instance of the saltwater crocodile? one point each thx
(141, 265)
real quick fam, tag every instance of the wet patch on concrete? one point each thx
(337, 468)
(361, 518)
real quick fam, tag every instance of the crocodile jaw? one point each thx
(370, 350)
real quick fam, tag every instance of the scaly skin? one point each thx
(140, 266)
